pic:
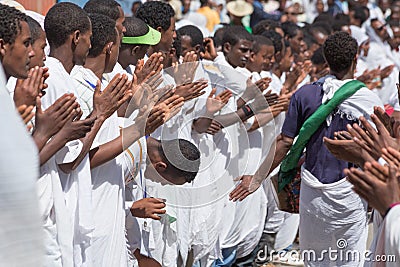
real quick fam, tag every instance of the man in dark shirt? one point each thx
(329, 210)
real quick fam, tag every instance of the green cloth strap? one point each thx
(288, 167)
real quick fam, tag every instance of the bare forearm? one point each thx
(51, 148)
(87, 142)
(201, 124)
(40, 139)
(231, 118)
(115, 147)
(275, 156)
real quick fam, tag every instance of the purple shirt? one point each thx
(319, 161)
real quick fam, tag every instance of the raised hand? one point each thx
(391, 156)
(216, 103)
(385, 72)
(373, 140)
(148, 208)
(185, 72)
(26, 113)
(214, 127)
(26, 90)
(378, 185)
(75, 128)
(153, 65)
(209, 50)
(51, 121)
(192, 90)
(113, 96)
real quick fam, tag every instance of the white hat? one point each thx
(239, 8)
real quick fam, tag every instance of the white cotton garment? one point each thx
(330, 213)
(76, 185)
(21, 235)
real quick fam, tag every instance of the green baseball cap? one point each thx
(152, 37)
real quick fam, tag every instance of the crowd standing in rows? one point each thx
(200, 133)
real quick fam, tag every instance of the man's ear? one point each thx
(252, 56)
(278, 55)
(3, 47)
(159, 29)
(76, 36)
(160, 167)
(226, 48)
(134, 50)
(197, 48)
(107, 48)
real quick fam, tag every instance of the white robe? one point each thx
(108, 240)
(77, 184)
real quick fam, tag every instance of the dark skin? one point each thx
(250, 183)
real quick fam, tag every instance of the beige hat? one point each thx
(239, 8)
(14, 4)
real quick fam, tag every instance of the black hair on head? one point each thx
(343, 17)
(103, 32)
(233, 34)
(340, 50)
(62, 20)
(318, 56)
(259, 41)
(194, 33)
(218, 36)
(265, 25)
(35, 28)
(109, 8)
(10, 23)
(182, 156)
(360, 13)
(276, 39)
(135, 27)
(324, 17)
(321, 26)
(156, 14)
(338, 24)
(290, 29)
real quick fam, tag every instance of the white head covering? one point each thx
(358, 34)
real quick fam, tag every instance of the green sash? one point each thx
(289, 165)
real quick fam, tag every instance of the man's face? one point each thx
(287, 60)
(82, 48)
(264, 59)
(396, 35)
(186, 45)
(380, 30)
(17, 56)
(119, 23)
(297, 43)
(167, 37)
(238, 54)
(113, 56)
(38, 48)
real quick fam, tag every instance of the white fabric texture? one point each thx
(77, 184)
(328, 213)
(21, 237)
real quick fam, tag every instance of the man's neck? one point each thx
(343, 75)
(64, 54)
(96, 64)
(278, 72)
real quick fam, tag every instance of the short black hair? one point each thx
(265, 25)
(276, 39)
(340, 50)
(360, 13)
(217, 38)
(194, 33)
(318, 57)
(290, 29)
(233, 34)
(342, 17)
(182, 156)
(134, 27)
(176, 44)
(103, 32)
(321, 26)
(156, 14)
(36, 29)
(108, 8)
(62, 20)
(259, 41)
(10, 23)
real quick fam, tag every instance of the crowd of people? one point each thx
(195, 134)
